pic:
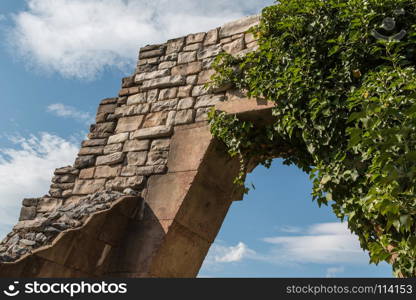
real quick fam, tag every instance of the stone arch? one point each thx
(150, 187)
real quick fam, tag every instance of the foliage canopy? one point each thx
(345, 113)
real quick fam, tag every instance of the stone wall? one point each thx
(129, 146)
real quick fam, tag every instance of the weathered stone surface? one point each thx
(160, 145)
(121, 183)
(108, 108)
(202, 114)
(153, 132)
(167, 65)
(199, 90)
(137, 99)
(83, 162)
(163, 82)
(192, 79)
(193, 47)
(86, 173)
(164, 105)
(136, 145)
(151, 75)
(150, 170)
(152, 95)
(208, 100)
(27, 213)
(85, 187)
(136, 158)
(63, 178)
(107, 171)
(238, 26)
(210, 51)
(157, 158)
(186, 103)
(56, 193)
(110, 159)
(95, 142)
(107, 127)
(184, 91)
(195, 38)
(118, 138)
(129, 124)
(112, 148)
(187, 69)
(66, 170)
(91, 150)
(234, 47)
(212, 37)
(46, 204)
(175, 45)
(186, 57)
(155, 119)
(205, 76)
(168, 93)
(152, 53)
(184, 116)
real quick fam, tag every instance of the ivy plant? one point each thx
(342, 76)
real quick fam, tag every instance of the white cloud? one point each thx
(26, 171)
(324, 243)
(332, 272)
(289, 229)
(80, 38)
(2, 17)
(62, 110)
(232, 254)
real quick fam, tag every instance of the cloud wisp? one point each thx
(81, 38)
(66, 111)
(27, 169)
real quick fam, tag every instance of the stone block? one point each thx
(66, 170)
(167, 65)
(129, 124)
(121, 183)
(186, 57)
(163, 82)
(175, 45)
(184, 116)
(55, 193)
(212, 37)
(164, 105)
(205, 76)
(186, 103)
(91, 150)
(210, 51)
(95, 142)
(152, 95)
(160, 145)
(136, 145)
(155, 119)
(199, 90)
(157, 158)
(151, 170)
(118, 138)
(239, 26)
(234, 47)
(187, 69)
(30, 201)
(112, 148)
(184, 91)
(87, 173)
(152, 53)
(153, 132)
(195, 38)
(27, 213)
(202, 114)
(108, 108)
(168, 93)
(137, 99)
(107, 171)
(136, 158)
(208, 100)
(85, 187)
(110, 159)
(151, 75)
(191, 80)
(46, 204)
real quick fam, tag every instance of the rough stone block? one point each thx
(186, 57)
(129, 123)
(83, 162)
(136, 158)
(186, 103)
(153, 132)
(46, 204)
(91, 150)
(95, 142)
(152, 53)
(168, 93)
(195, 38)
(85, 187)
(27, 213)
(210, 51)
(238, 26)
(137, 99)
(205, 76)
(108, 108)
(110, 159)
(212, 37)
(199, 90)
(234, 47)
(187, 69)
(136, 145)
(202, 114)
(191, 80)
(175, 45)
(87, 173)
(121, 183)
(112, 148)
(160, 145)
(167, 65)
(184, 91)
(193, 47)
(151, 170)
(163, 82)
(107, 171)
(151, 75)
(208, 100)
(164, 105)
(184, 116)
(118, 138)
(152, 95)
(157, 158)
(155, 119)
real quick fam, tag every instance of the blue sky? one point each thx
(59, 58)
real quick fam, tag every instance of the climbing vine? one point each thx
(344, 89)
